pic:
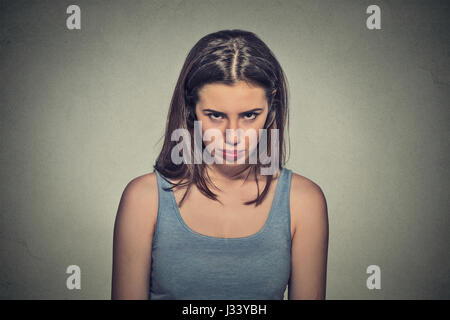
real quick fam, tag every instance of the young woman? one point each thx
(223, 230)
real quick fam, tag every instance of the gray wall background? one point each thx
(82, 112)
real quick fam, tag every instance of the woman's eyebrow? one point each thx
(245, 112)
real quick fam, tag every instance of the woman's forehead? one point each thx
(221, 97)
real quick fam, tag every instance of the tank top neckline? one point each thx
(252, 236)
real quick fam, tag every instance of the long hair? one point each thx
(225, 57)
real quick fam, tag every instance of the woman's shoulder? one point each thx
(301, 184)
(140, 198)
(145, 184)
(306, 199)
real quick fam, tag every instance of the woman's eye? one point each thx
(215, 116)
(250, 116)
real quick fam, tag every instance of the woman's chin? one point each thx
(229, 161)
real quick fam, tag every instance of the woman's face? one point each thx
(234, 107)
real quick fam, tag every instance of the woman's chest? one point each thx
(233, 219)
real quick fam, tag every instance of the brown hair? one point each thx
(226, 57)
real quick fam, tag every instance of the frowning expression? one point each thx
(241, 106)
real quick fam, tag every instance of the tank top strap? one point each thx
(166, 213)
(283, 189)
(280, 224)
(164, 196)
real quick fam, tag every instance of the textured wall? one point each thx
(82, 112)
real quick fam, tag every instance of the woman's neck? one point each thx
(225, 175)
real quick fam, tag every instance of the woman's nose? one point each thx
(232, 133)
(232, 124)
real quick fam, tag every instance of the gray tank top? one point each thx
(187, 265)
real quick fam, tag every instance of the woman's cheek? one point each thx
(211, 137)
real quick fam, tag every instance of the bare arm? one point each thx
(309, 243)
(133, 233)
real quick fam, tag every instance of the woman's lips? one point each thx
(232, 154)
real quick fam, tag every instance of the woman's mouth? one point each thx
(232, 154)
